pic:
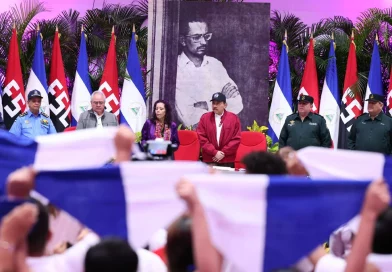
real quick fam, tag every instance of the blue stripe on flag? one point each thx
(82, 70)
(279, 109)
(101, 189)
(133, 67)
(302, 214)
(272, 134)
(283, 76)
(15, 152)
(82, 67)
(38, 62)
(375, 81)
(332, 73)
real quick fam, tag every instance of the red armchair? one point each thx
(189, 149)
(250, 141)
(68, 129)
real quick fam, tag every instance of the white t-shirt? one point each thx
(218, 123)
(99, 120)
(149, 262)
(72, 260)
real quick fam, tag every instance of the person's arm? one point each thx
(145, 133)
(207, 257)
(123, 141)
(174, 136)
(351, 141)
(80, 124)
(189, 111)
(376, 201)
(283, 135)
(232, 146)
(203, 139)
(115, 120)
(16, 127)
(325, 136)
(14, 229)
(52, 129)
(2, 125)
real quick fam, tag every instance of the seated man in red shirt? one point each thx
(219, 133)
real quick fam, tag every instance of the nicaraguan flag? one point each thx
(282, 98)
(133, 110)
(37, 78)
(80, 101)
(329, 103)
(258, 223)
(328, 163)
(374, 85)
(71, 150)
(125, 197)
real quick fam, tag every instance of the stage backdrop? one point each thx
(236, 56)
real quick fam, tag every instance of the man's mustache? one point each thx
(202, 47)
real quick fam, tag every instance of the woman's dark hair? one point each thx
(168, 114)
(179, 250)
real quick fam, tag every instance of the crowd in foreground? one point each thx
(25, 231)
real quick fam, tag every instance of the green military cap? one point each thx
(306, 99)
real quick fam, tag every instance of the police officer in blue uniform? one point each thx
(33, 123)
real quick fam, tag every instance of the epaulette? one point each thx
(45, 115)
(23, 114)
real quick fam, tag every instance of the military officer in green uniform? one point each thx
(372, 131)
(305, 128)
(33, 123)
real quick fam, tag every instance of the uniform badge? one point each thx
(292, 122)
(303, 97)
(44, 122)
(27, 121)
(371, 96)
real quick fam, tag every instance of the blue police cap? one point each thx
(34, 93)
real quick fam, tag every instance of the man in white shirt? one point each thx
(199, 76)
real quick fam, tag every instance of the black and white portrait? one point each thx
(201, 48)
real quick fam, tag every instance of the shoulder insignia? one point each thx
(45, 115)
(23, 114)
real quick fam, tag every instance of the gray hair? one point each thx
(98, 92)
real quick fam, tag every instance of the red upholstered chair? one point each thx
(250, 141)
(68, 129)
(189, 149)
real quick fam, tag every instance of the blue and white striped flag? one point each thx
(133, 110)
(281, 105)
(71, 150)
(258, 223)
(330, 101)
(80, 101)
(37, 78)
(374, 85)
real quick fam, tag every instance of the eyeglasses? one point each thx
(197, 37)
(98, 102)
